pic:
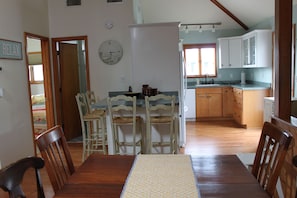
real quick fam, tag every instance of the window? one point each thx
(36, 73)
(200, 60)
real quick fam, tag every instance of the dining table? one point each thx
(215, 175)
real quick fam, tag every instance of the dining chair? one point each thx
(122, 112)
(270, 156)
(93, 128)
(160, 110)
(11, 176)
(288, 175)
(55, 152)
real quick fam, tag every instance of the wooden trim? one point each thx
(230, 14)
(282, 58)
(199, 46)
(56, 71)
(45, 51)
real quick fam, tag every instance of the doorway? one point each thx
(71, 76)
(39, 79)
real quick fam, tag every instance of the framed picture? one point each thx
(10, 49)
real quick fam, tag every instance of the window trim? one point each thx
(204, 45)
(31, 75)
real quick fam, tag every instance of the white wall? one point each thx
(89, 19)
(16, 17)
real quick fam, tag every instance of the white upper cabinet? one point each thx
(257, 49)
(230, 52)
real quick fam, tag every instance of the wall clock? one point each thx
(110, 52)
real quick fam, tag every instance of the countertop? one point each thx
(140, 102)
(239, 86)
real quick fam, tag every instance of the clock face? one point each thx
(110, 52)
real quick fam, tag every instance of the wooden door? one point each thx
(69, 79)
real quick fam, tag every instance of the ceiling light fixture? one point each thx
(198, 26)
(213, 28)
(187, 30)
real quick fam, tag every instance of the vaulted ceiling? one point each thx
(249, 12)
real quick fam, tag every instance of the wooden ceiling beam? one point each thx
(229, 14)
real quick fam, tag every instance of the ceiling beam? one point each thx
(229, 14)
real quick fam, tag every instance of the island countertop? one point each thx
(140, 102)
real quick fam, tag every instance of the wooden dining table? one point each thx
(216, 175)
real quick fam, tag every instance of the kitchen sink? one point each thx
(208, 85)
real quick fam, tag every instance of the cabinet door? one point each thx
(228, 102)
(215, 104)
(201, 105)
(230, 52)
(224, 53)
(235, 53)
(249, 51)
(245, 51)
(252, 50)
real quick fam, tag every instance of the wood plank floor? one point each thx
(203, 138)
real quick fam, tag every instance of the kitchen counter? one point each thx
(102, 104)
(239, 86)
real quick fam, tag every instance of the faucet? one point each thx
(205, 79)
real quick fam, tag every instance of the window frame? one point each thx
(31, 75)
(199, 46)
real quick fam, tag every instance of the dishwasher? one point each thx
(190, 105)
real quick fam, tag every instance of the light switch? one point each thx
(1, 92)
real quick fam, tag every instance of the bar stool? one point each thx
(93, 128)
(160, 111)
(91, 99)
(122, 112)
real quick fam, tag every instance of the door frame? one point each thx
(45, 55)
(56, 72)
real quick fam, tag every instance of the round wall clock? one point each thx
(110, 52)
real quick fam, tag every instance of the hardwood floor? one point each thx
(220, 137)
(203, 138)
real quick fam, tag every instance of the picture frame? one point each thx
(10, 50)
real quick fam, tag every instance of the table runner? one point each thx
(159, 176)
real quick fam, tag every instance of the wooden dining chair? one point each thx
(122, 112)
(11, 176)
(55, 152)
(160, 110)
(288, 175)
(270, 156)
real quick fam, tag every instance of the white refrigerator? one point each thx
(157, 61)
